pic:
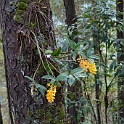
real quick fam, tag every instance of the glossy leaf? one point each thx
(41, 88)
(62, 77)
(71, 80)
(48, 77)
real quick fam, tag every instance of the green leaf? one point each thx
(119, 54)
(71, 43)
(70, 101)
(74, 55)
(79, 115)
(48, 77)
(89, 52)
(32, 24)
(71, 95)
(41, 88)
(48, 51)
(30, 113)
(84, 101)
(93, 57)
(80, 75)
(52, 81)
(76, 70)
(62, 77)
(83, 55)
(31, 79)
(71, 80)
(48, 67)
(122, 71)
(57, 83)
(104, 38)
(112, 65)
(99, 82)
(57, 52)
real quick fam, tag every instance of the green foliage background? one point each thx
(96, 26)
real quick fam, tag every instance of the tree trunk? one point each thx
(97, 86)
(76, 89)
(120, 35)
(22, 34)
(71, 17)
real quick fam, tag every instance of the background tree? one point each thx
(75, 90)
(120, 57)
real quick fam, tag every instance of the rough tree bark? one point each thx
(21, 59)
(71, 17)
